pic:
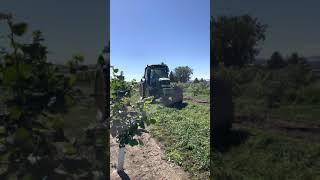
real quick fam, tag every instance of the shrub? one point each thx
(311, 93)
(285, 85)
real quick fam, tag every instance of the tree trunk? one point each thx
(121, 157)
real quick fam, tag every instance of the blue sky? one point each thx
(68, 27)
(148, 31)
(293, 24)
(153, 31)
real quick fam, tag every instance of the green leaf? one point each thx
(56, 121)
(3, 169)
(19, 28)
(25, 70)
(2, 130)
(142, 126)
(153, 121)
(27, 177)
(68, 100)
(5, 157)
(14, 112)
(78, 58)
(10, 75)
(100, 60)
(72, 80)
(22, 135)
(69, 149)
(148, 122)
(133, 142)
(147, 102)
(40, 130)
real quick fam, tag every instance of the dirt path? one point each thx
(307, 132)
(196, 100)
(145, 162)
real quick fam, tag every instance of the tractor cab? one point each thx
(155, 82)
(157, 76)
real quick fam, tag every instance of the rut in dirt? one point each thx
(307, 132)
(199, 101)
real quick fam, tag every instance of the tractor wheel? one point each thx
(180, 102)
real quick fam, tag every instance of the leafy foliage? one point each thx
(235, 39)
(284, 90)
(181, 74)
(199, 88)
(281, 85)
(75, 62)
(172, 77)
(276, 61)
(33, 143)
(126, 117)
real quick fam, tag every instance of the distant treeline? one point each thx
(282, 80)
(235, 41)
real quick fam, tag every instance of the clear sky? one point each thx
(69, 27)
(293, 24)
(176, 32)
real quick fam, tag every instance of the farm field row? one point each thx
(251, 153)
(185, 134)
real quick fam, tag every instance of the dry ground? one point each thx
(145, 162)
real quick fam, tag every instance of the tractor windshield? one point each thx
(159, 73)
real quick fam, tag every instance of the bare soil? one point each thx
(303, 131)
(197, 100)
(144, 161)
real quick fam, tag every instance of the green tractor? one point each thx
(156, 83)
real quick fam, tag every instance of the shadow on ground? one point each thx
(179, 105)
(123, 175)
(141, 131)
(224, 141)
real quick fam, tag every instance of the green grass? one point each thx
(185, 134)
(77, 118)
(258, 153)
(204, 97)
(264, 156)
(305, 113)
(82, 114)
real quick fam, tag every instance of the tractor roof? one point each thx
(156, 65)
